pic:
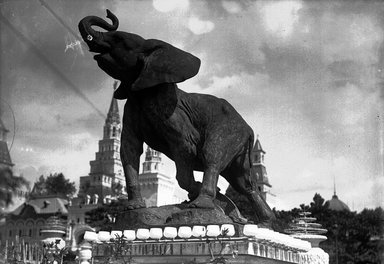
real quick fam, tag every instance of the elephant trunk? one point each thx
(88, 33)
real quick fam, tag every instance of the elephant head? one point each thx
(138, 63)
(93, 38)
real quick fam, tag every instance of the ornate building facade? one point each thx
(27, 220)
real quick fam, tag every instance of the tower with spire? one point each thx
(5, 157)
(260, 173)
(106, 173)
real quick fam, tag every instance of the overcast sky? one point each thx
(306, 75)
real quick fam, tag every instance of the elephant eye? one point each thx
(89, 37)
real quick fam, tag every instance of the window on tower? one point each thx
(114, 132)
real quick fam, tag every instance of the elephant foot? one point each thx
(192, 195)
(202, 201)
(134, 204)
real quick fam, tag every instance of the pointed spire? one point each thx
(5, 157)
(257, 147)
(113, 112)
(3, 131)
(334, 187)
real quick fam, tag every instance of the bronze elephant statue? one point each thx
(197, 131)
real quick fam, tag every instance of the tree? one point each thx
(352, 237)
(9, 185)
(54, 184)
(58, 184)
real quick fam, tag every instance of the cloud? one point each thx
(76, 154)
(231, 6)
(198, 26)
(349, 106)
(352, 37)
(170, 5)
(281, 17)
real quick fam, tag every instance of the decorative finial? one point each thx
(334, 185)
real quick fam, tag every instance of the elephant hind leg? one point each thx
(263, 212)
(238, 176)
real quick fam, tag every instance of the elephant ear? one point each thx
(164, 63)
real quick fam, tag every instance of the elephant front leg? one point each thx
(133, 188)
(186, 180)
(208, 189)
(130, 157)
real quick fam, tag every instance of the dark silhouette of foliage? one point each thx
(9, 185)
(352, 237)
(54, 184)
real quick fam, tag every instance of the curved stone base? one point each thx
(225, 212)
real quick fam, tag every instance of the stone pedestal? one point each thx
(170, 215)
(177, 234)
(225, 212)
(194, 251)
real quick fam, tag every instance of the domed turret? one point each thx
(335, 203)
